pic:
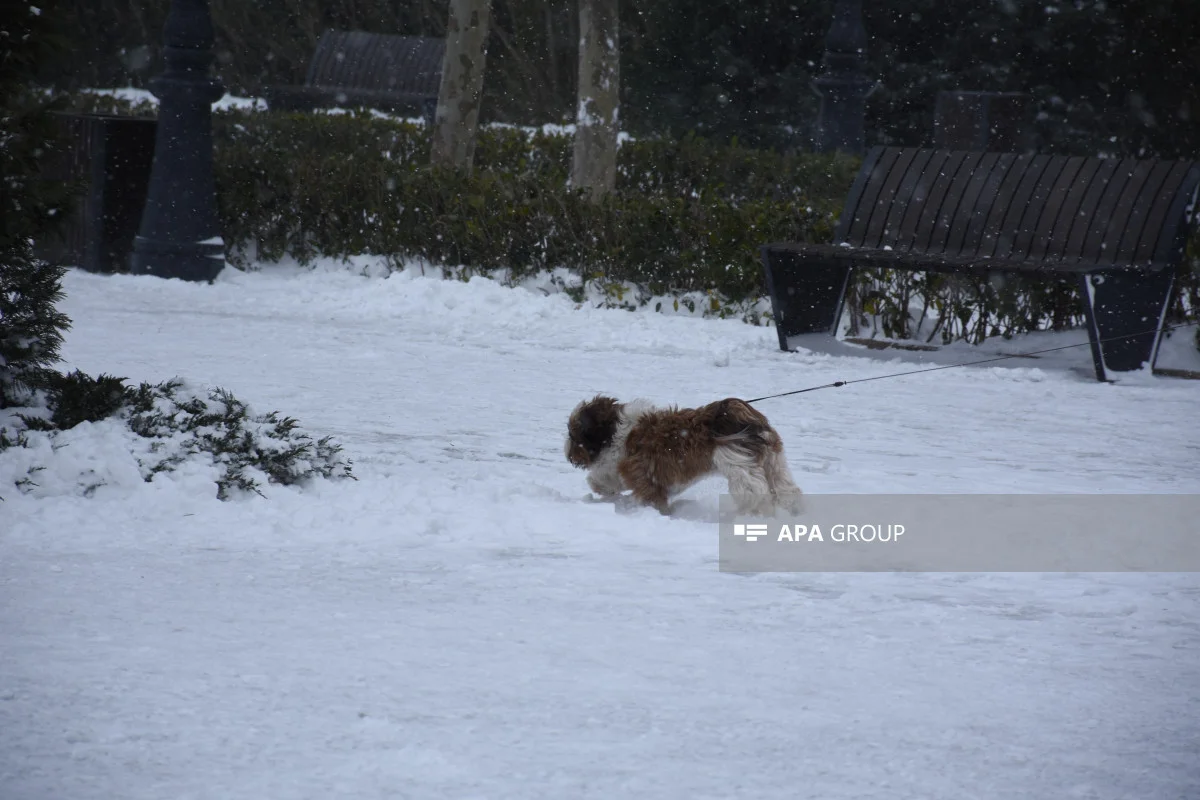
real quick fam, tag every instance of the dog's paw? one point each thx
(755, 505)
(630, 504)
(627, 504)
(792, 502)
(591, 497)
(604, 485)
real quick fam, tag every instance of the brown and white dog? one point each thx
(657, 452)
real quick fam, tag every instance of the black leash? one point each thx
(970, 363)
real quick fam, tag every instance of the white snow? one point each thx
(135, 96)
(229, 101)
(94, 456)
(460, 623)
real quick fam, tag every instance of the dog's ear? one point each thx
(592, 427)
(598, 423)
(592, 418)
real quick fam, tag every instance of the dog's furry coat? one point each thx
(657, 452)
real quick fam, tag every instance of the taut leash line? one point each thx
(836, 384)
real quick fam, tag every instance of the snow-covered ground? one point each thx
(459, 623)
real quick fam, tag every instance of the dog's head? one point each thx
(590, 429)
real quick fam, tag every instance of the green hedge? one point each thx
(686, 216)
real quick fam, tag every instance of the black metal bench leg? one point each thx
(1124, 312)
(805, 297)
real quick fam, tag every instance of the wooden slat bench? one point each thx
(1118, 226)
(351, 68)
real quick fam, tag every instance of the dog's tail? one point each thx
(736, 421)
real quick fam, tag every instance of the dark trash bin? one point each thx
(111, 156)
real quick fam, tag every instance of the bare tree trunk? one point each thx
(551, 51)
(462, 83)
(594, 166)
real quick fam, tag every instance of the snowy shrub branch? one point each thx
(249, 447)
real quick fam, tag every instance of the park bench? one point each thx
(397, 74)
(1117, 226)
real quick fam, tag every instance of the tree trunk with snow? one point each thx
(462, 83)
(594, 166)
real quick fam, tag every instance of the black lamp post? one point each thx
(843, 84)
(179, 235)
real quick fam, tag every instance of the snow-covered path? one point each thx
(458, 623)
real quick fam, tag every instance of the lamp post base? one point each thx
(189, 261)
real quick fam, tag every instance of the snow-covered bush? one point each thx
(249, 447)
(172, 424)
